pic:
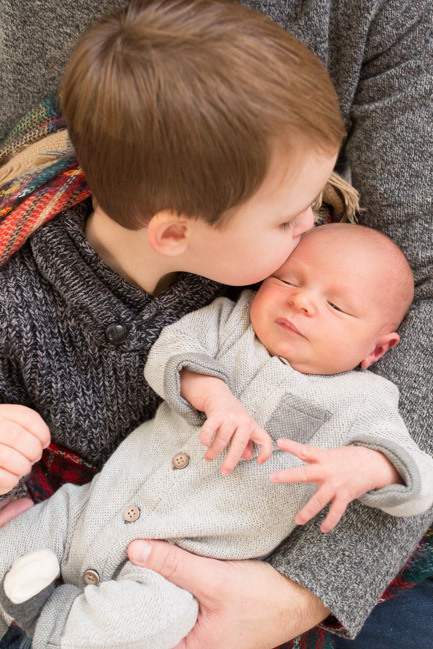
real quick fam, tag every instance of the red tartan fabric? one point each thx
(56, 467)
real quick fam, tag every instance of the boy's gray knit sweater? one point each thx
(379, 55)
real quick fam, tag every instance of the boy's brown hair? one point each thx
(177, 105)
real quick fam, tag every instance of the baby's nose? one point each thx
(302, 301)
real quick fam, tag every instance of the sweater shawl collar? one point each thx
(97, 297)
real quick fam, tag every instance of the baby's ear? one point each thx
(167, 233)
(383, 343)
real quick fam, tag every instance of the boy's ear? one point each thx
(383, 343)
(168, 233)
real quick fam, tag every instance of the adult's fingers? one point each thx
(198, 575)
(14, 462)
(14, 509)
(8, 481)
(28, 419)
(16, 437)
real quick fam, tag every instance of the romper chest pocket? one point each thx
(296, 418)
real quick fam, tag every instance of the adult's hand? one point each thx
(10, 510)
(243, 604)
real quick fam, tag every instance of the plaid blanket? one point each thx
(32, 190)
(35, 185)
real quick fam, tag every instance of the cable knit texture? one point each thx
(58, 312)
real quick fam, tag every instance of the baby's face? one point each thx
(323, 310)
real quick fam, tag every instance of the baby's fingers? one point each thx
(302, 451)
(248, 453)
(305, 473)
(237, 448)
(316, 503)
(262, 438)
(336, 511)
(219, 443)
(207, 431)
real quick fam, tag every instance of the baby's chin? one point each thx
(314, 367)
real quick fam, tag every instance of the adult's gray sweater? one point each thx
(379, 55)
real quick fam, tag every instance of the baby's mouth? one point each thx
(288, 326)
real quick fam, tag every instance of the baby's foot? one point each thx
(30, 574)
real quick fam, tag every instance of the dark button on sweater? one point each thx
(116, 333)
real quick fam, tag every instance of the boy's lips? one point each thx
(289, 326)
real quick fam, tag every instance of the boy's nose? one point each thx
(304, 223)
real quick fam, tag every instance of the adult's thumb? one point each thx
(182, 568)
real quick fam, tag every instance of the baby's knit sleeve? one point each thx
(380, 427)
(196, 343)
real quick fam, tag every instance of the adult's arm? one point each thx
(390, 154)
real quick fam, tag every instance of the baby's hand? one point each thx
(228, 422)
(23, 437)
(342, 475)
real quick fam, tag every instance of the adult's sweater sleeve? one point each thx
(390, 153)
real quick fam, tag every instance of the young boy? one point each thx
(325, 311)
(205, 132)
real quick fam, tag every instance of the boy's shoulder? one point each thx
(24, 285)
(17, 275)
